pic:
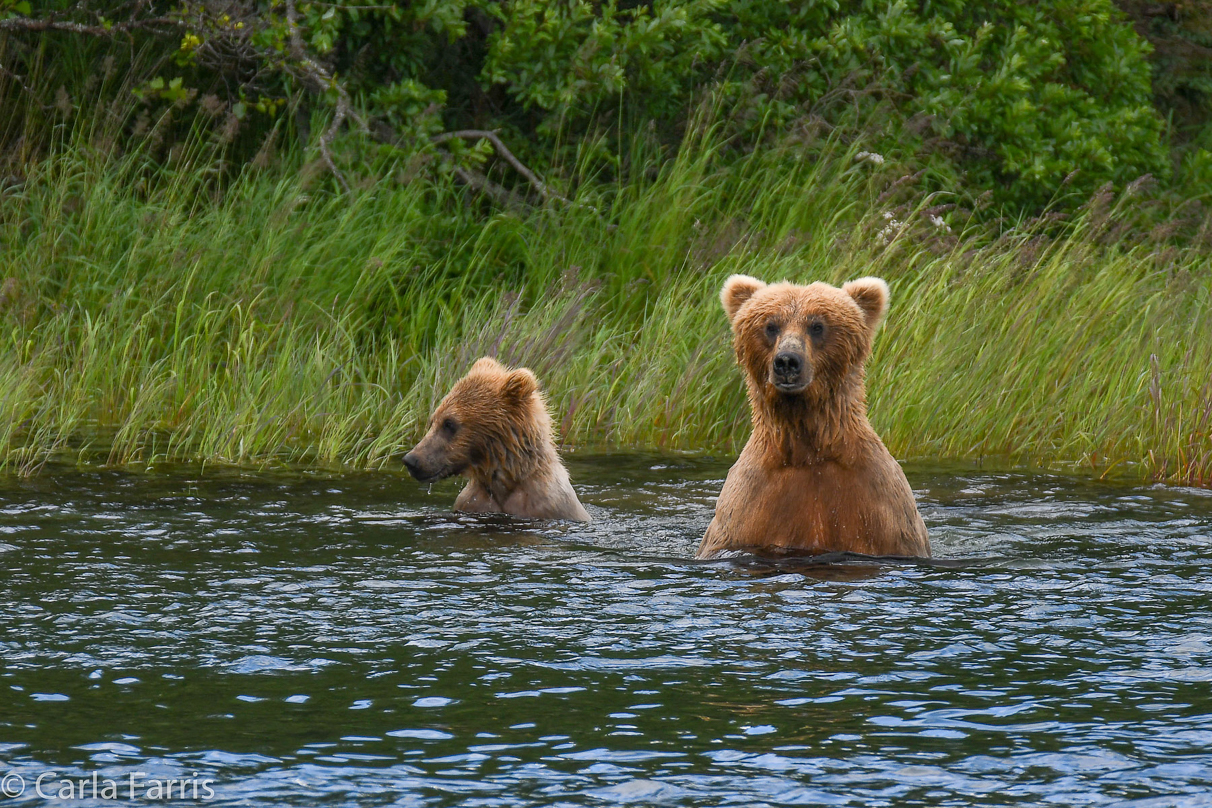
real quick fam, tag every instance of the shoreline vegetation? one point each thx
(255, 235)
(149, 318)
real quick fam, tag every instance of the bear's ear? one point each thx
(736, 291)
(871, 294)
(519, 385)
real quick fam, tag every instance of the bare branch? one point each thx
(155, 25)
(476, 180)
(501, 149)
(347, 7)
(317, 76)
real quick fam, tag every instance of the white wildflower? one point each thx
(938, 222)
(890, 230)
(887, 214)
(870, 157)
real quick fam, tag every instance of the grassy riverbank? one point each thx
(147, 318)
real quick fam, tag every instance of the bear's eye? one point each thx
(772, 329)
(816, 329)
(449, 426)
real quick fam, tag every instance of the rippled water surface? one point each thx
(347, 640)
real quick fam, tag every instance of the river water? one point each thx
(298, 639)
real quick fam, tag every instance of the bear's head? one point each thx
(492, 419)
(803, 341)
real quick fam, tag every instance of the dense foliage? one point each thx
(1036, 103)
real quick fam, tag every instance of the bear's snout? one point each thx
(423, 469)
(413, 464)
(789, 372)
(788, 365)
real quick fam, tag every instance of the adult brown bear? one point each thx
(814, 477)
(494, 429)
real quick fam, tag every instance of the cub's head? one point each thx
(488, 414)
(797, 340)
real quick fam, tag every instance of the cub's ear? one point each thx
(736, 291)
(519, 384)
(871, 294)
(486, 364)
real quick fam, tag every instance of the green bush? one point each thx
(1028, 101)
(1015, 97)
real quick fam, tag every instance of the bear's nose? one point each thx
(412, 464)
(788, 365)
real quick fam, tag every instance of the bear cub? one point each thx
(814, 477)
(493, 428)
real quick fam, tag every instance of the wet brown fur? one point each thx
(814, 476)
(502, 442)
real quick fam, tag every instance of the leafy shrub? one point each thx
(1017, 97)
(1029, 101)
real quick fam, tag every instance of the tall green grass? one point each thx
(148, 318)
